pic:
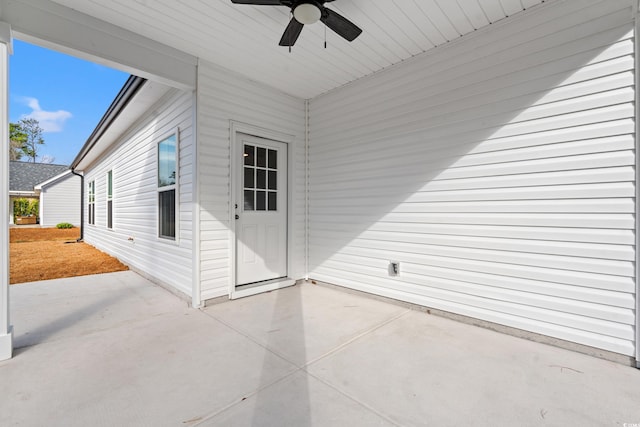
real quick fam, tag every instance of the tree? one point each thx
(47, 159)
(31, 127)
(17, 140)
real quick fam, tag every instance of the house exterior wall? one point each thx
(224, 97)
(133, 160)
(60, 201)
(13, 198)
(498, 171)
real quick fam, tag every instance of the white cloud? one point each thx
(50, 121)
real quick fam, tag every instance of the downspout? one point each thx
(81, 204)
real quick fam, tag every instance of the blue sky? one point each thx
(67, 95)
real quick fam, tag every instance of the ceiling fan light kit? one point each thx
(307, 12)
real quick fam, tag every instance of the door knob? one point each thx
(237, 216)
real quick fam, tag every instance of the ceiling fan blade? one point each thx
(258, 2)
(341, 25)
(291, 33)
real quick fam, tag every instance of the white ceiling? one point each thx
(245, 38)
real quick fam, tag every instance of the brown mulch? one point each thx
(50, 253)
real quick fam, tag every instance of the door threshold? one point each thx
(260, 287)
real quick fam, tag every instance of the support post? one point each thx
(6, 336)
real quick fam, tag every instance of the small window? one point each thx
(110, 199)
(260, 182)
(91, 206)
(167, 186)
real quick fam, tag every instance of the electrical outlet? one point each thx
(394, 268)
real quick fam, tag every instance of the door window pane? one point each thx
(261, 181)
(272, 201)
(261, 203)
(249, 157)
(248, 177)
(248, 200)
(273, 159)
(273, 180)
(261, 157)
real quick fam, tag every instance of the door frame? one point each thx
(236, 129)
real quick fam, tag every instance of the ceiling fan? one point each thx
(308, 12)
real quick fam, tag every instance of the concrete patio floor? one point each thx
(116, 350)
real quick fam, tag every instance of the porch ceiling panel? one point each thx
(244, 39)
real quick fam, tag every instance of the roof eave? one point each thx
(126, 94)
(39, 186)
(24, 193)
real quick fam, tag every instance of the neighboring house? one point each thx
(60, 199)
(25, 176)
(497, 172)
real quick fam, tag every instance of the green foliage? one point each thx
(17, 141)
(64, 225)
(26, 207)
(31, 127)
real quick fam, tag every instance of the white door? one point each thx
(261, 210)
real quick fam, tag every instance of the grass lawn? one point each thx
(50, 253)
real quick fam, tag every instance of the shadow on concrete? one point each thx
(48, 331)
(297, 403)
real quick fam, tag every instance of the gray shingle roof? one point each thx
(24, 176)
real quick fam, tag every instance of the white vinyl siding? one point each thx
(223, 97)
(498, 170)
(134, 239)
(60, 201)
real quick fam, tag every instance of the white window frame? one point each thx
(91, 203)
(109, 198)
(160, 189)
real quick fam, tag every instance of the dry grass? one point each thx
(49, 253)
(36, 234)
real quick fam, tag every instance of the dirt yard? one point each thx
(50, 253)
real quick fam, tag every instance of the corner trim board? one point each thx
(636, 58)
